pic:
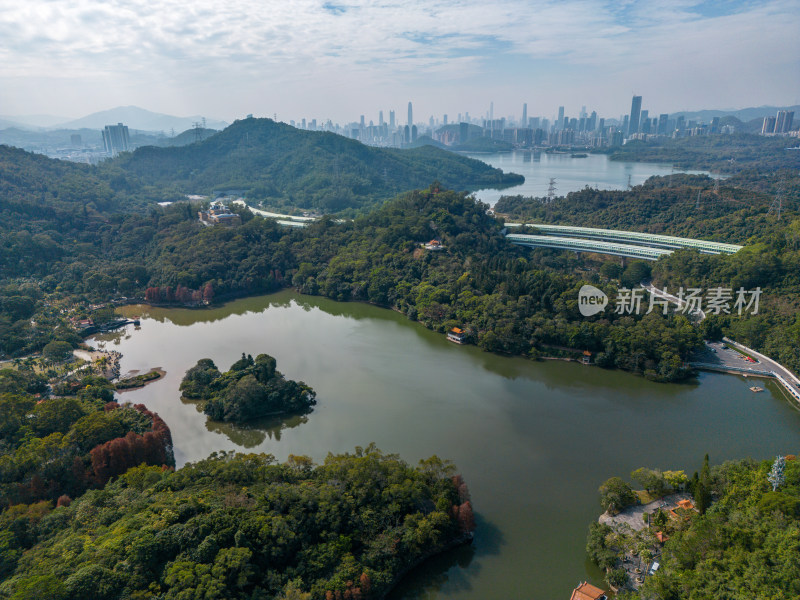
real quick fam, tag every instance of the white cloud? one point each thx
(138, 47)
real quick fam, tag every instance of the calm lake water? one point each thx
(534, 440)
(571, 174)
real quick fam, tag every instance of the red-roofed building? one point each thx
(586, 591)
(433, 245)
(456, 335)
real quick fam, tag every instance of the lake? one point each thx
(571, 174)
(533, 440)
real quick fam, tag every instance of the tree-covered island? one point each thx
(252, 388)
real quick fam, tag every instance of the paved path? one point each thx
(632, 516)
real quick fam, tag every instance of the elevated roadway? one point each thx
(581, 245)
(650, 240)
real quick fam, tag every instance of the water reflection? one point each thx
(553, 374)
(255, 432)
(449, 569)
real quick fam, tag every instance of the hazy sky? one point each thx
(339, 59)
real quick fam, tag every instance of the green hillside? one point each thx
(288, 167)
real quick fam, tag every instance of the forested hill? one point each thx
(288, 167)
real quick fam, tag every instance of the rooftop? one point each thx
(586, 591)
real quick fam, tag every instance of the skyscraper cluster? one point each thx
(780, 123)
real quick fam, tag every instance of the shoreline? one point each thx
(140, 382)
(462, 540)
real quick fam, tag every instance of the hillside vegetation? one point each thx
(291, 168)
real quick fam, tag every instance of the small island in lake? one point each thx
(249, 390)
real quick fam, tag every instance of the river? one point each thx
(571, 174)
(534, 440)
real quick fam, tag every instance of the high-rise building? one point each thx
(560, 121)
(391, 120)
(463, 132)
(445, 119)
(789, 121)
(644, 122)
(769, 125)
(380, 118)
(591, 124)
(524, 114)
(410, 115)
(116, 139)
(636, 108)
(662, 124)
(783, 121)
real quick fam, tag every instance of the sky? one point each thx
(339, 59)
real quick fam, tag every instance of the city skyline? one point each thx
(292, 60)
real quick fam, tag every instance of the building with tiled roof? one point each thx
(586, 591)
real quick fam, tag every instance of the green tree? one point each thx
(616, 495)
(57, 351)
(702, 491)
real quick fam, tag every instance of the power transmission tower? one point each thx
(551, 191)
(777, 201)
(630, 187)
(198, 131)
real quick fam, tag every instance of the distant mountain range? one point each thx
(30, 121)
(743, 114)
(134, 117)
